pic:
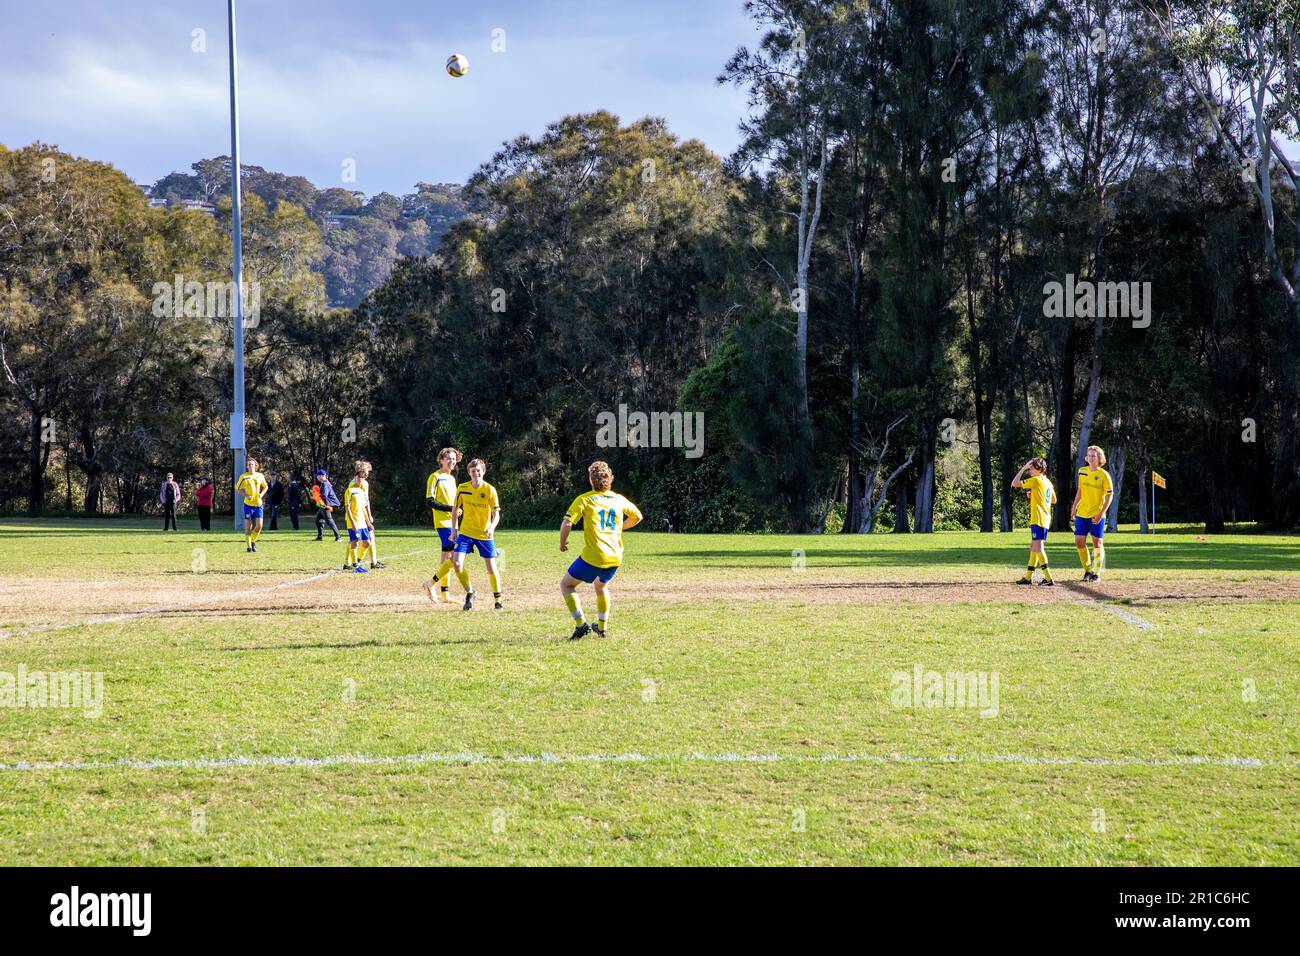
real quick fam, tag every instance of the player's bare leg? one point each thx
(569, 591)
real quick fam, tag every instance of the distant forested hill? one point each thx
(362, 237)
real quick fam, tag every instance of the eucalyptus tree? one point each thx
(1242, 59)
(795, 80)
(1116, 109)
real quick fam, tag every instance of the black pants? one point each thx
(293, 515)
(205, 517)
(325, 517)
(275, 512)
(169, 515)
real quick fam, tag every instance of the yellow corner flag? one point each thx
(1157, 479)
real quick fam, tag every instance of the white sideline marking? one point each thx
(166, 608)
(1119, 612)
(367, 760)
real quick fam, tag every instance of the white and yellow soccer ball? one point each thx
(457, 65)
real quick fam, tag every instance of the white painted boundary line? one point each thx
(467, 759)
(1080, 598)
(167, 608)
(1119, 612)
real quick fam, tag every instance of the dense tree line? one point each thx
(363, 238)
(955, 235)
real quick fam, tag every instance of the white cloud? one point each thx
(306, 104)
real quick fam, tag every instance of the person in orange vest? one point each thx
(325, 500)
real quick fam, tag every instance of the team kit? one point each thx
(465, 516)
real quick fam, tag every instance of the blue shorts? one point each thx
(588, 573)
(358, 534)
(467, 545)
(1084, 527)
(1037, 532)
(252, 512)
(444, 536)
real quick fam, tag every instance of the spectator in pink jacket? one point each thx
(204, 498)
(170, 496)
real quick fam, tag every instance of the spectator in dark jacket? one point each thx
(322, 494)
(204, 498)
(293, 499)
(170, 496)
(275, 498)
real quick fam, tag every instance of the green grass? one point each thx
(745, 646)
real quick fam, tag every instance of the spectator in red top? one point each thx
(170, 497)
(204, 498)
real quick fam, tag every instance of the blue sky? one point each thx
(324, 81)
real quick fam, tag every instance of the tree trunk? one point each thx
(1094, 390)
(1143, 526)
(1006, 506)
(67, 476)
(35, 466)
(1116, 460)
(986, 474)
(93, 472)
(1285, 500)
(1063, 435)
(1006, 517)
(901, 525)
(853, 518)
(924, 513)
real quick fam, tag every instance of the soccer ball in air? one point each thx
(457, 65)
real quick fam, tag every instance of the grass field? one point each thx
(747, 708)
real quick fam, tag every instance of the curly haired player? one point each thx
(604, 515)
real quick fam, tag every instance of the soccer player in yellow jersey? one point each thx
(1089, 511)
(252, 484)
(604, 515)
(478, 510)
(1041, 498)
(440, 495)
(360, 520)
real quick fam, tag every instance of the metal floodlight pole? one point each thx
(237, 445)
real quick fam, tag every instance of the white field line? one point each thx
(468, 759)
(181, 605)
(1119, 612)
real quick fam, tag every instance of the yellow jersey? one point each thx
(479, 505)
(601, 514)
(441, 487)
(253, 485)
(1041, 497)
(1094, 485)
(356, 506)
